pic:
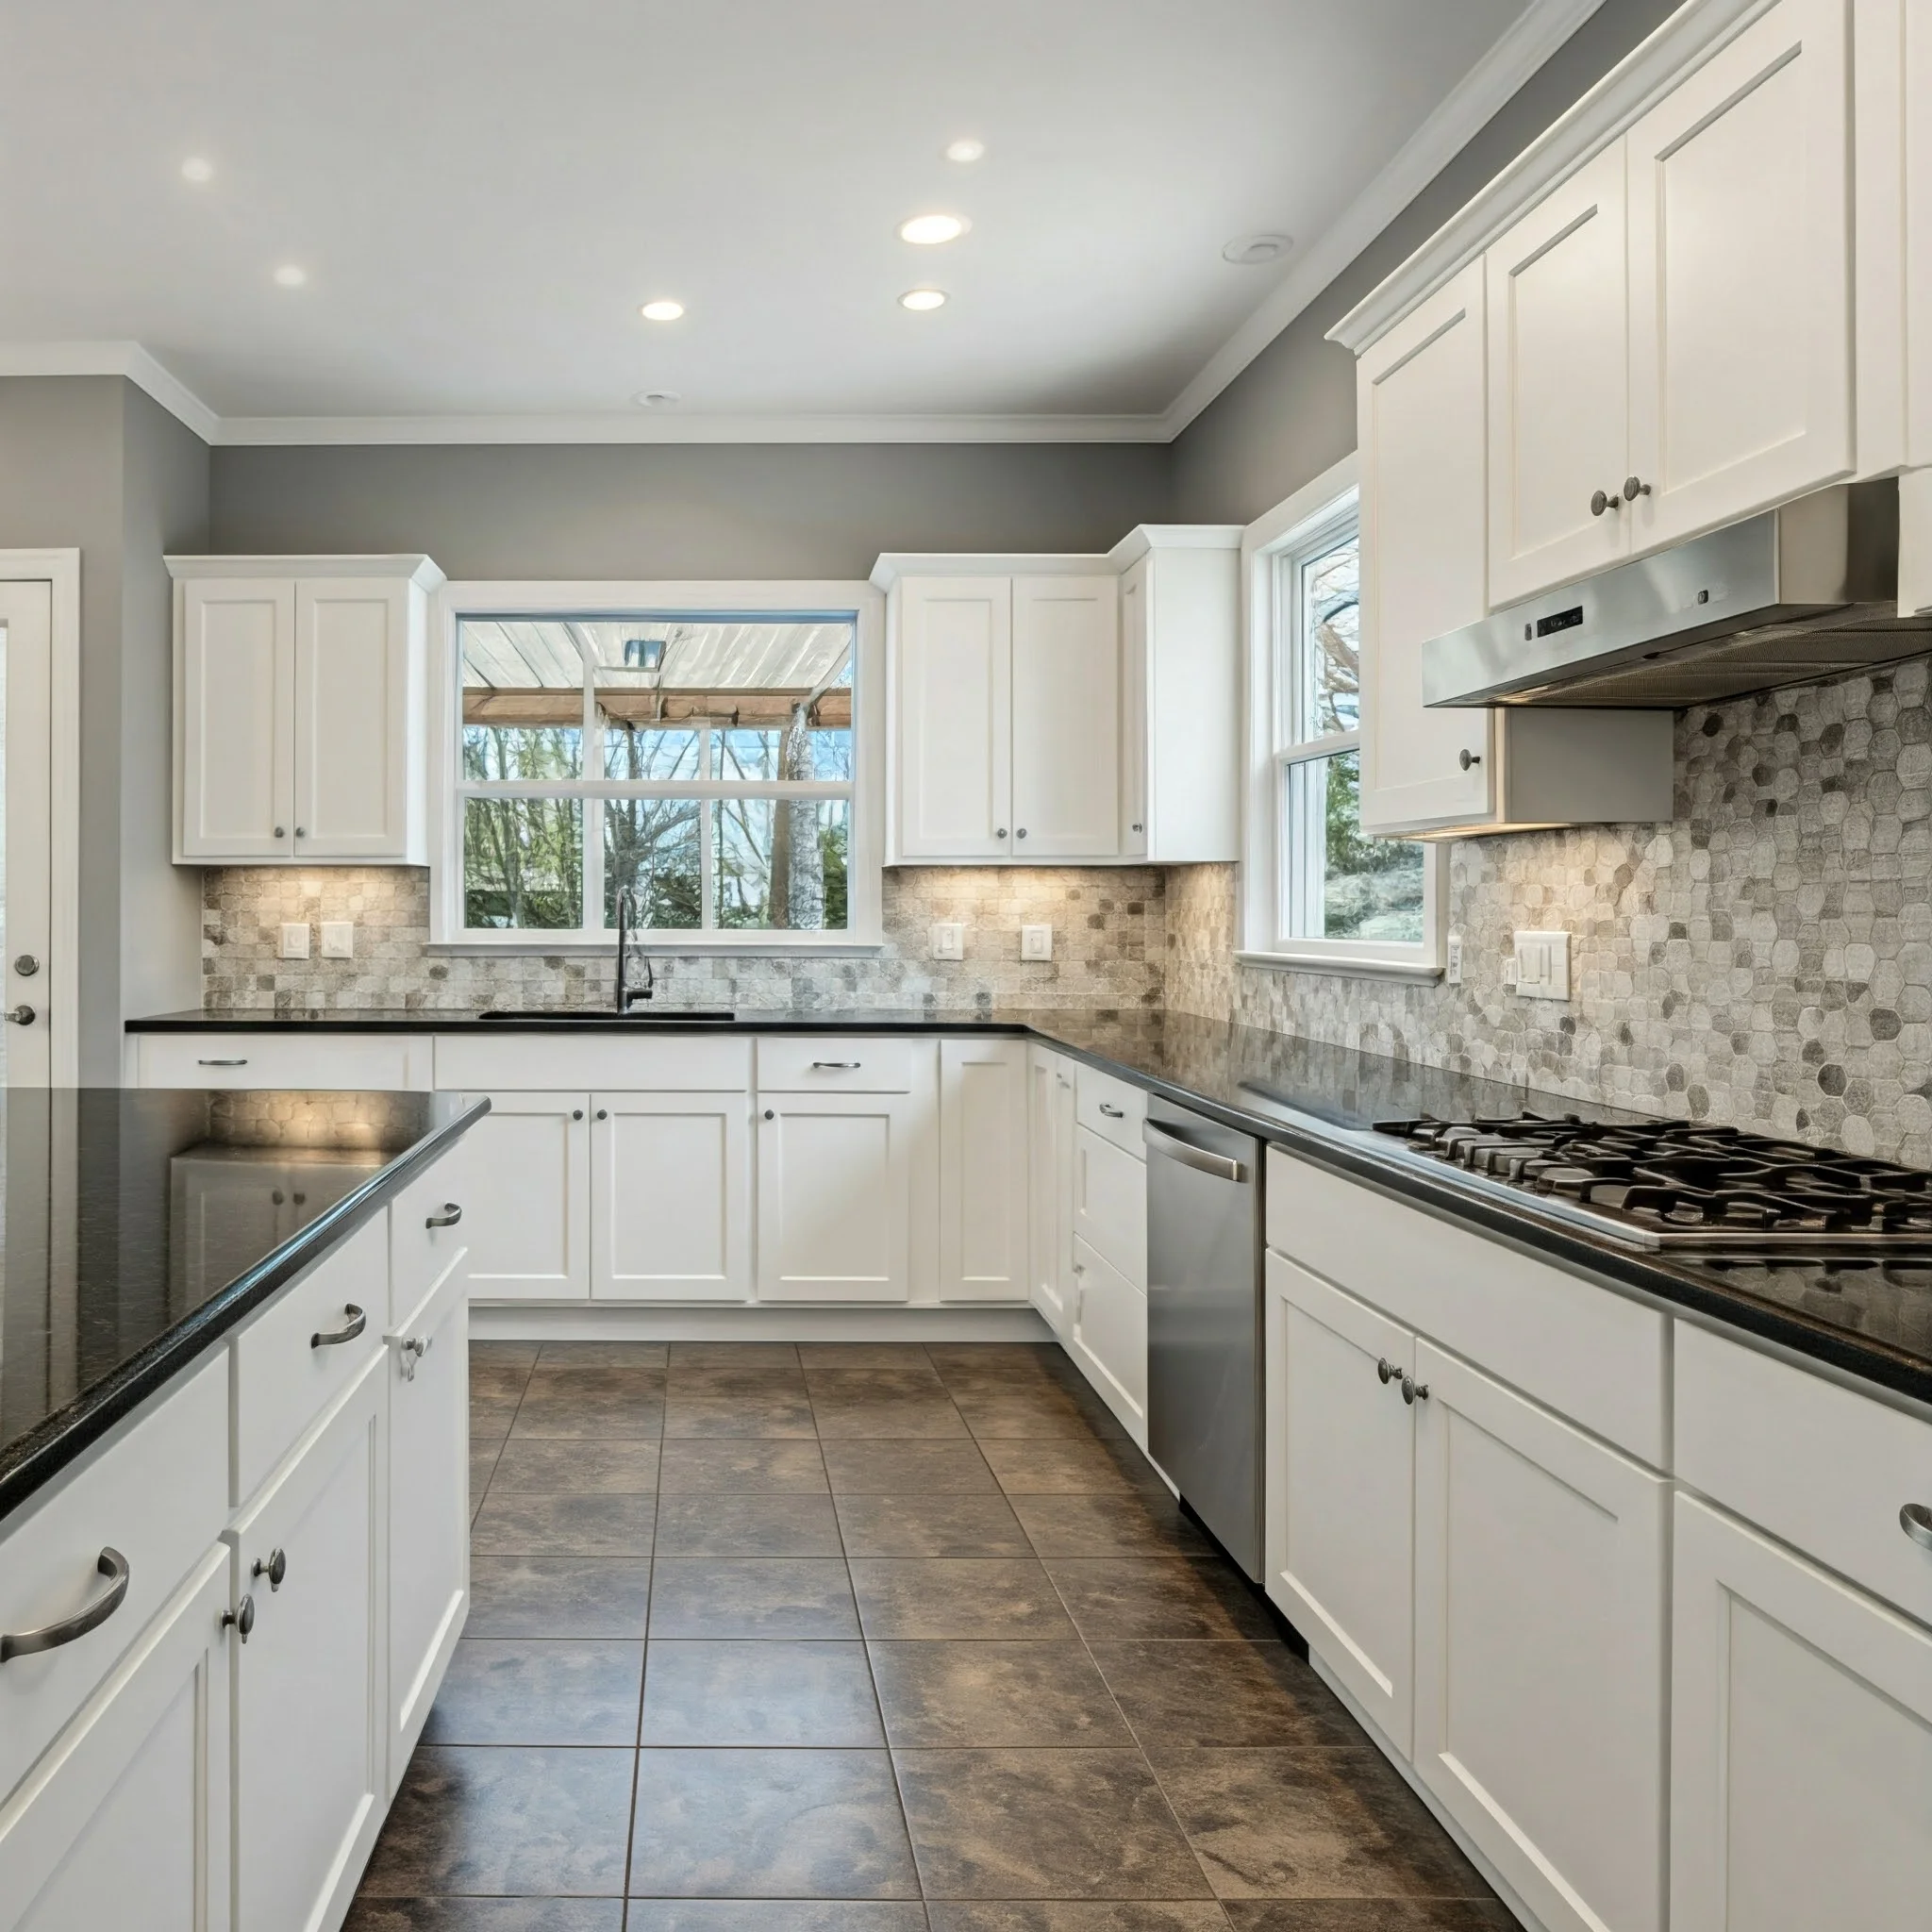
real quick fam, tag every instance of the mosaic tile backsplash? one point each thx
(1765, 960)
(1107, 948)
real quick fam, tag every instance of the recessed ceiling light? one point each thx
(967, 150)
(923, 298)
(662, 312)
(290, 276)
(197, 170)
(655, 398)
(927, 230)
(1253, 251)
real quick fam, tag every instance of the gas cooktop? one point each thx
(1681, 1184)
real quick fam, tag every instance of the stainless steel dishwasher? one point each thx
(1203, 1321)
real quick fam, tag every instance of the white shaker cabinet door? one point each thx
(1066, 718)
(1420, 403)
(954, 747)
(1558, 391)
(1108, 1339)
(237, 747)
(1800, 1743)
(834, 1189)
(1135, 690)
(124, 1821)
(1338, 1488)
(528, 1208)
(671, 1197)
(353, 718)
(1539, 1648)
(1740, 277)
(983, 1170)
(1050, 1154)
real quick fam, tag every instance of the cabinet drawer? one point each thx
(357, 1062)
(538, 1063)
(1812, 1463)
(282, 1376)
(1112, 1108)
(1110, 1204)
(160, 1496)
(1585, 1350)
(423, 1239)
(816, 1064)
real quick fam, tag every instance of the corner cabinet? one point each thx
(301, 727)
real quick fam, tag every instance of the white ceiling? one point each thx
(483, 192)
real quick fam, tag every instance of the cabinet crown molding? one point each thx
(1630, 90)
(422, 572)
(895, 564)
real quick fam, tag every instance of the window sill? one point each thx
(1345, 966)
(682, 946)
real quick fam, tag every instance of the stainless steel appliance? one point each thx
(1799, 593)
(1203, 1321)
(1680, 1185)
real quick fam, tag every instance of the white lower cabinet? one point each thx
(1801, 1743)
(834, 1196)
(1107, 1337)
(529, 1160)
(310, 1707)
(124, 1821)
(983, 1170)
(671, 1197)
(1050, 1186)
(1539, 1648)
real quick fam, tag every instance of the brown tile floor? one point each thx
(871, 1638)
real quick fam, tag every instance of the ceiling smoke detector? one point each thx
(655, 398)
(1255, 250)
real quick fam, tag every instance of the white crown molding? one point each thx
(1641, 78)
(410, 566)
(114, 358)
(1538, 32)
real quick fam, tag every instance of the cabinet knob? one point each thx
(1916, 1520)
(1137, 826)
(576, 1113)
(1599, 503)
(275, 1569)
(1467, 758)
(241, 1615)
(26, 965)
(281, 832)
(20, 1016)
(1386, 1370)
(409, 1355)
(1021, 833)
(770, 1115)
(603, 1113)
(1633, 489)
(1001, 833)
(1414, 1392)
(301, 832)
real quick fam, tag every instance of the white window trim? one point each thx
(1295, 524)
(865, 857)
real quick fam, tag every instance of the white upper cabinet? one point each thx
(1739, 279)
(1066, 718)
(1559, 441)
(301, 732)
(952, 735)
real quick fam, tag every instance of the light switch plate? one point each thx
(948, 939)
(295, 939)
(338, 939)
(1542, 965)
(1452, 963)
(1036, 942)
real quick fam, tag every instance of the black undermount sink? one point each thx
(604, 1016)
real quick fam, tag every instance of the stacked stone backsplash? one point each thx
(1765, 960)
(1107, 948)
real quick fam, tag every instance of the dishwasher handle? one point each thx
(1166, 1142)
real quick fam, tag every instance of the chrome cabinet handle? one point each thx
(222, 1063)
(451, 1214)
(1916, 1520)
(1599, 503)
(1467, 758)
(1634, 488)
(241, 1615)
(21, 1015)
(839, 1066)
(354, 1326)
(1113, 1113)
(413, 1349)
(1386, 1370)
(1414, 1392)
(275, 1569)
(111, 1564)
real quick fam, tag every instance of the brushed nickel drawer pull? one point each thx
(1113, 1113)
(354, 1326)
(1916, 1520)
(222, 1063)
(110, 1564)
(452, 1214)
(839, 1066)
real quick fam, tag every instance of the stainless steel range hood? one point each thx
(1801, 593)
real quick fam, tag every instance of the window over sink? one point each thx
(710, 759)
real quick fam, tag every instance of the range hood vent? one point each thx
(1794, 596)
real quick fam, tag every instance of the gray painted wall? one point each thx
(1290, 413)
(683, 510)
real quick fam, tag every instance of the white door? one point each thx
(1136, 615)
(310, 1714)
(351, 718)
(671, 1197)
(1421, 422)
(983, 1170)
(27, 619)
(1558, 408)
(237, 775)
(1050, 1184)
(1107, 1337)
(1800, 1743)
(1066, 718)
(835, 1182)
(528, 1211)
(955, 738)
(125, 1821)
(428, 1504)
(1338, 1488)
(1740, 277)
(1541, 1568)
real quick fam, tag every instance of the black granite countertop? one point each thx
(1870, 1319)
(141, 1226)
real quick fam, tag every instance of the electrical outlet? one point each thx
(338, 939)
(1542, 965)
(1452, 963)
(1036, 942)
(294, 939)
(948, 941)
(1509, 970)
